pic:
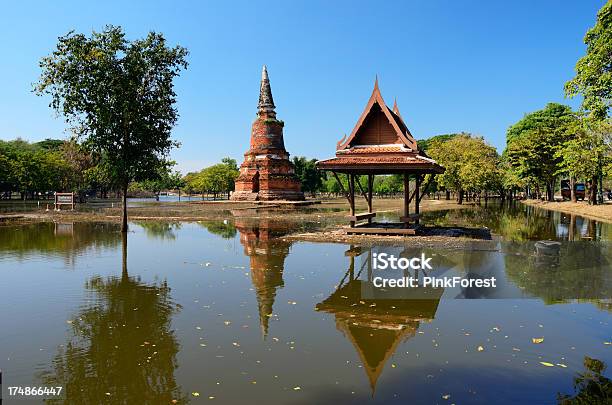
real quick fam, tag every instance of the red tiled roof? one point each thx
(373, 149)
(397, 162)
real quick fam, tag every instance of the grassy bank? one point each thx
(333, 210)
(582, 208)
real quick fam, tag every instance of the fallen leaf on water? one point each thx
(447, 396)
(226, 323)
(544, 363)
(297, 388)
(537, 340)
(561, 365)
(480, 348)
(195, 394)
(607, 343)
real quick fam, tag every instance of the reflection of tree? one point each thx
(65, 240)
(122, 350)
(518, 222)
(222, 228)
(376, 326)
(267, 253)
(591, 386)
(159, 229)
(580, 271)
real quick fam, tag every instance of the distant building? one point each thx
(266, 173)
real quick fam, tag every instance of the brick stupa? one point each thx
(266, 173)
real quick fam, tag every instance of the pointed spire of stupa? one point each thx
(266, 102)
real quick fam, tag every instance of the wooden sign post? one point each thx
(64, 199)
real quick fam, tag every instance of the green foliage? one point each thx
(591, 386)
(471, 164)
(594, 70)
(118, 96)
(215, 179)
(424, 144)
(533, 143)
(165, 179)
(30, 168)
(388, 184)
(549, 119)
(311, 178)
(589, 152)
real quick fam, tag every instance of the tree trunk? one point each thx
(124, 270)
(447, 194)
(460, 199)
(550, 191)
(573, 189)
(124, 215)
(593, 191)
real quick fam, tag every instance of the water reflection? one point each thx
(577, 270)
(66, 239)
(122, 348)
(375, 327)
(159, 229)
(223, 229)
(518, 222)
(591, 386)
(267, 254)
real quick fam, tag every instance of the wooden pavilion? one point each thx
(380, 144)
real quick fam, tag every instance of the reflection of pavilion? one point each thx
(267, 253)
(377, 326)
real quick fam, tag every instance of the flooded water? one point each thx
(231, 312)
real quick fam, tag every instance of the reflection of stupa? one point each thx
(375, 327)
(267, 256)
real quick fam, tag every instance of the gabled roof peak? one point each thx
(395, 107)
(395, 120)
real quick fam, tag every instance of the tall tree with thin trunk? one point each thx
(118, 97)
(594, 70)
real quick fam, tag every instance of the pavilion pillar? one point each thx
(417, 199)
(352, 198)
(370, 187)
(406, 198)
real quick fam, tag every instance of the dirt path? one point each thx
(598, 212)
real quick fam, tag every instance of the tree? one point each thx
(532, 144)
(79, 161)
(424, 144)
(588, 154)
(118, 96)
(310, 177)
(215, 179)
(594, 70)
(164, 179)
(471, 165)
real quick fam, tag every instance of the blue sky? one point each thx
(475, 66)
